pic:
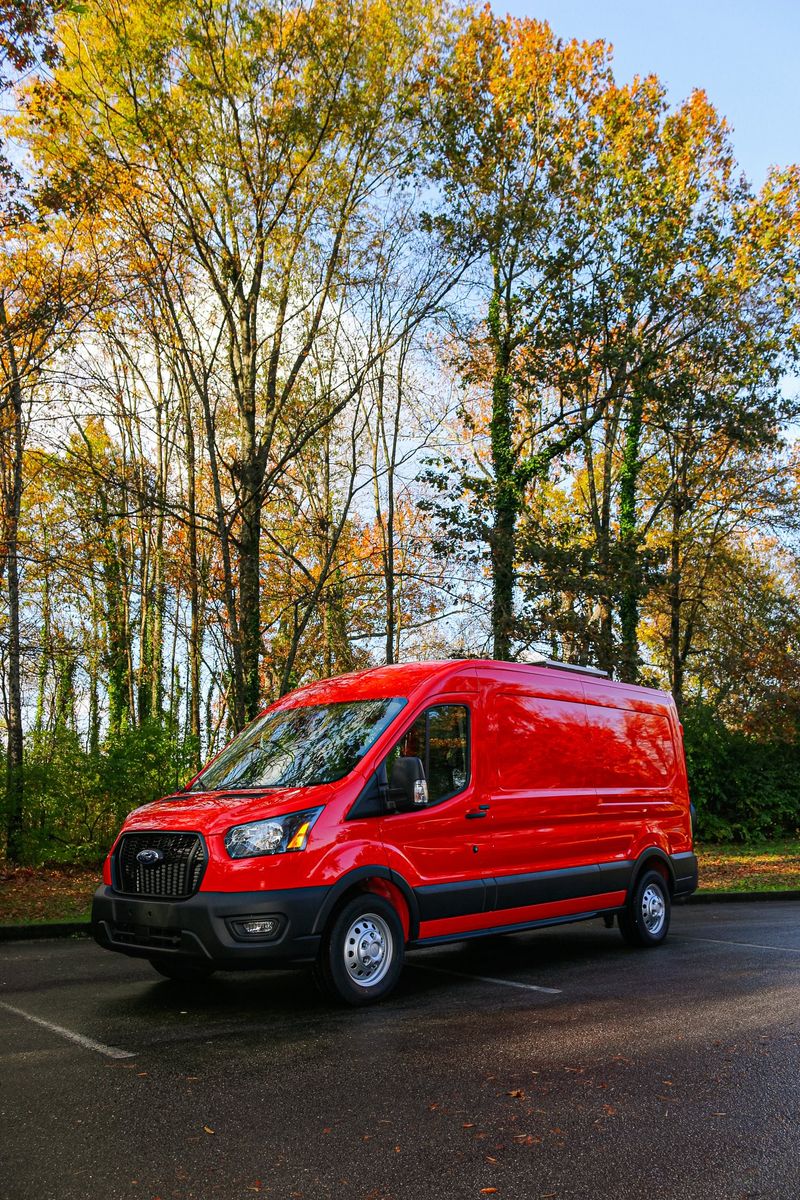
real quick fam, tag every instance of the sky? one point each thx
(744, 53)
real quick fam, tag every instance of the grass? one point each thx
(756, 867)
(44, 895)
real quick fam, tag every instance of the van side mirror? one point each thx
(407, 786)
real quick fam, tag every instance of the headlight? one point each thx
(278, 835)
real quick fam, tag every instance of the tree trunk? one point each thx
(631, 582)
(506, 490)
(675, 655)
(94, 672)
(15, 783)
(45, 644)
(65, 689)
(389, 571)
(223, 533)
(117, 645)
(12, 488)
(143, 675)
(605, 644)
(194, 647)
(157, 623)
(247, 705)
(153, 691)
(382, 445)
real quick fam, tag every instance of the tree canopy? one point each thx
(334, 334)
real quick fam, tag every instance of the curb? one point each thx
(739, 897)
(64, 929)
(61, 929)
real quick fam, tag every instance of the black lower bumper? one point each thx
(204, 927)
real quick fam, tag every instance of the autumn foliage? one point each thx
(339, 334)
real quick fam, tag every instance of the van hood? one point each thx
(215, 812)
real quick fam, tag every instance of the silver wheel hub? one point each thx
(368, 950)
(654, 909)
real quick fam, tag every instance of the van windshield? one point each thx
(298, 747)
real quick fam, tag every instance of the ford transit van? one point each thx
(407, 806)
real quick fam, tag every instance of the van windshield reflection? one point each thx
(299, 747)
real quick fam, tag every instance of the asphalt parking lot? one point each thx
(547, 1065)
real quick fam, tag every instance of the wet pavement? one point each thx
(543, 1065)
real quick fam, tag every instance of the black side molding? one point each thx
(459, 899)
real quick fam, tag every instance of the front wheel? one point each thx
(362, 951)
(645, 921)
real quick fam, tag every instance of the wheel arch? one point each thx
(383, 882)
(653, 858)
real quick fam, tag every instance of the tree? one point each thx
(697, 282)
(252, 144)
(44, 294)
(514, 125)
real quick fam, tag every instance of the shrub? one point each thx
(743, 789)
(75, 802)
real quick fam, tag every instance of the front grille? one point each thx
(177, 873)
(158, 936)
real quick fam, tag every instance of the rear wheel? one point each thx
(645, 921)
(182, 972)
(362, 951)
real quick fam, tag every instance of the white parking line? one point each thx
(78, 1038)
(690, 937)
(528, 987)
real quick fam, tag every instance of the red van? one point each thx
(407, 806)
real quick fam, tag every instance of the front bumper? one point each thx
(201, 927)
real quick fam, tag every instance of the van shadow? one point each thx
(584, 962)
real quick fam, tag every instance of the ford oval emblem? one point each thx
(149, 858)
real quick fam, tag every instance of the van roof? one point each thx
(395, 679)
(405, 678)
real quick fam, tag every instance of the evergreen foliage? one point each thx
(76, 800)
(743, 789)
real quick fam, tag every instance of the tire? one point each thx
(361, 955)
(645, 921)
(182, 972)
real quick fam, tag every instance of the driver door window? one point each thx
(440, 738)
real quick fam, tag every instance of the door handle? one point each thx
(475, 814)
